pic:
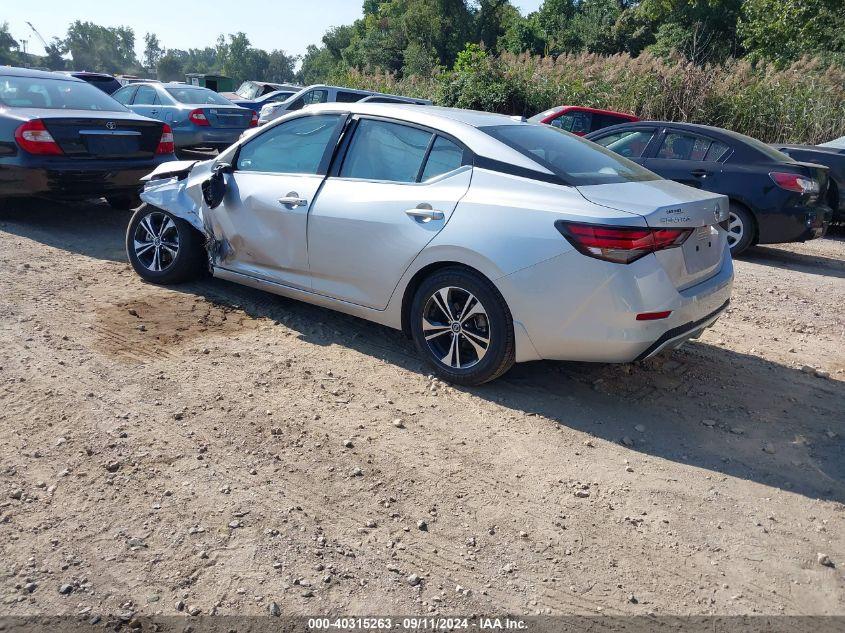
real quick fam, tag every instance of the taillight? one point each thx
(34, 138)
(619, 244)
(254, 121)
(197, 117)
(165, 144)
(794, 182)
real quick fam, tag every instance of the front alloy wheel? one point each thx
(462, 326)
(163, 248)
(156, 241)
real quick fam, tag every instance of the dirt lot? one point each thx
(215, 449)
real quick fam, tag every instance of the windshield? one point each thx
(54, 94)
(197, 96)
(575, 160)
(248, 90)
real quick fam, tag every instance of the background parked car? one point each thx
(837, 144)
(276, 93)
(320, 94)
(198, 116)
(126, 80)
(104, 82)
(61, 137)
(773, 197)
(834, 160)
(580, 120)
(393, 99)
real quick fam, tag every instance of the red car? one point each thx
(580, 120)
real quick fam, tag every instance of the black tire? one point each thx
(124, 202)
(741, 229)
(494, 321)
(190, 261)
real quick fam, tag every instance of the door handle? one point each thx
(425, 215)
(700, 173)
(292, 200)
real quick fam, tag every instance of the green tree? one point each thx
(8, 46)
(99, 48)
(784, 30)
(171, 66)
(281, 67)
(153, 51)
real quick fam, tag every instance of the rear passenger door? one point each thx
(688, 158)
(394, 190)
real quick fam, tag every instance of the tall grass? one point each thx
(804, 103)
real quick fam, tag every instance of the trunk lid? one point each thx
(228, 117)
(669, 205)
(104, 136)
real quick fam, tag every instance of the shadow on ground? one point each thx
(771, 424)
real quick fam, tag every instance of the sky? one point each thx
(290, 25)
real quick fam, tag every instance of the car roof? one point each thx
(461, 124)
(86, 73)
(708, 130)
(14, 71)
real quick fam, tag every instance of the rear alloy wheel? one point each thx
(463, 327)
(162, 248)
(740, 229)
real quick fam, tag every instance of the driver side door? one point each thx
(264, 215)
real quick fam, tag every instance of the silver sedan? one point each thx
(486, 239)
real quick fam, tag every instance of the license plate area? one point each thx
(702, 250)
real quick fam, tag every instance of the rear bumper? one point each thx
(580, 309)
(794, 224)
(73, 179)
(206, 137)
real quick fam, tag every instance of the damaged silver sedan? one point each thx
(486, 239)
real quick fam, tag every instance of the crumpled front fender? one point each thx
(176, 187)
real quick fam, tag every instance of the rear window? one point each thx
(574, 160)
(196, 96)
(54, 94)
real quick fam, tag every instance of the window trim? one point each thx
(337, 165)
(328, 153)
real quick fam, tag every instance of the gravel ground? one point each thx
(208, 449)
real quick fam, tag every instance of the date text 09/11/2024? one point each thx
(417, 624)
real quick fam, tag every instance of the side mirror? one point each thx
(214, 189)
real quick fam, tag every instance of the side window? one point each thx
(717, 151)
(312, 96)
(385, 151)
(444, 157)
(605, 120)
(684, 147)
(146, 96)
(348, 97)
(294, 147)
(630, 143)
(124, 95)
(564, 122)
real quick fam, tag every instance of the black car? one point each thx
(104, 82)
(834, 160)
(773, 197)
(62, 138)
